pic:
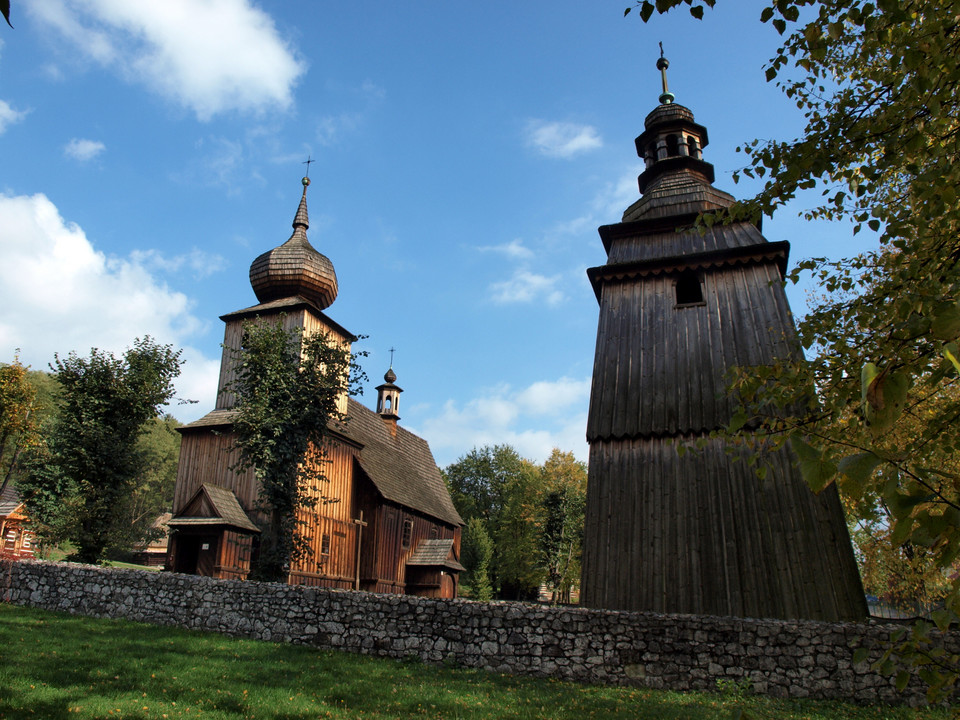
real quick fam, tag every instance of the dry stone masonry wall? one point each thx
(681, 652)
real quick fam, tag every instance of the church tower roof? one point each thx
(295, 268)
(677, 180)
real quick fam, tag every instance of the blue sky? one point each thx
(465, 155)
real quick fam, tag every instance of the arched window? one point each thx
(688, 287)
(673, 146)
(693, 147)
(407, 533)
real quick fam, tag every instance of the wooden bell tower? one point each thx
(697, 532)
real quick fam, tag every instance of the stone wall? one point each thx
(682, 652)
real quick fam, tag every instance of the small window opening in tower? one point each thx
(688, 287)
(673, 146)
(693, 147)
(325, 544)
(387, 403)
(407, 533)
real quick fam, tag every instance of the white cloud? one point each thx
(534, 420)
(525, 287)
(9, 116)
(211, 56)
(331, 128)
(83, 150)
(201, 264)
(561, 140)
(513, 249)
(62, 294)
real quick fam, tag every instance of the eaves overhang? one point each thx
(777, 252)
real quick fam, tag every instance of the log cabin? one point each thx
(386, 523)
(17, 541)
(697, 532)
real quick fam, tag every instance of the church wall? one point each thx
(233, 336)
(208, 456)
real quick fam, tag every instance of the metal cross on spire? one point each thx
(391, 356)
(666, 97)
(307, 163)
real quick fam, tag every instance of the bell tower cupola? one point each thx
(388, 397)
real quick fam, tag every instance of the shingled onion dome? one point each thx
(295, 268)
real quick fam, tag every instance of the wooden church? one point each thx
(391, 526)
(697, 532)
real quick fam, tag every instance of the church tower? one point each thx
(696, 532)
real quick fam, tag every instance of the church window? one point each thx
(325, 544)
(688, 288)
(693, 146)
(407, 533)
(673, 146)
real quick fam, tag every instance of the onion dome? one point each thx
(295, 268)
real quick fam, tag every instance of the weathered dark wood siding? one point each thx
(698, 532)
(660, 368)
(701, 533)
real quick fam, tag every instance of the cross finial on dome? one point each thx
(666, 97)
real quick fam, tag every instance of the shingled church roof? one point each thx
(400, 466)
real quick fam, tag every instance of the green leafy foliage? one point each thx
(20, 420)
(532, 514)
(563, 501)
(476, 554)
(158, 451)
(77, 485)
(288, 387)
(496, 486)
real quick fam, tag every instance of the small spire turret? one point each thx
(388, 398)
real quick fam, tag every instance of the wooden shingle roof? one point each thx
(9, 500)
(214, 505)
(435, 552)
(401, 467)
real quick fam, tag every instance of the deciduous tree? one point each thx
(76, 488)
(19, 426)
(563, 500)
(287, 388)
(497, 486)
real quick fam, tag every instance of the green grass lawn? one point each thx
(64, 666)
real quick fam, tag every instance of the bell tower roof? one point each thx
(295, 268)
(676, 180)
